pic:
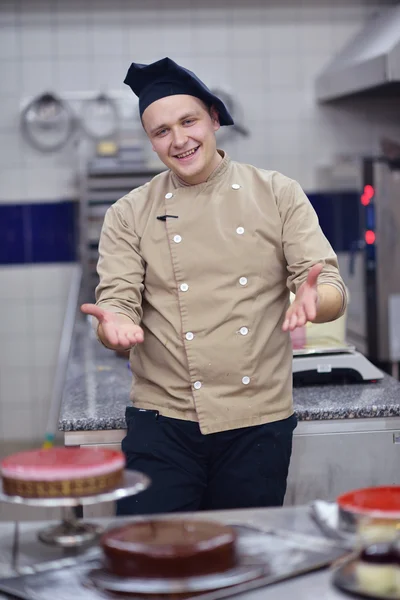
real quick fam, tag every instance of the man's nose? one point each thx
(179, 138)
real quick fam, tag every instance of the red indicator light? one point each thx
(370, 237)
(368, 194)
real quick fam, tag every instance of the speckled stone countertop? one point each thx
(97, 385)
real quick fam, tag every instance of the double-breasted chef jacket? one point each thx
(206, 271)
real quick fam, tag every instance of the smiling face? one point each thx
(182, 133)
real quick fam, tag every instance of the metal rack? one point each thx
(102, 182)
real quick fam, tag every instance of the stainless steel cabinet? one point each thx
(331, 457)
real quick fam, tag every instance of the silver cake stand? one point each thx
(71, 532)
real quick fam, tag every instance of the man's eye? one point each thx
(188, 121)
(161, 132)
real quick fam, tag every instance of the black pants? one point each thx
(240, 468)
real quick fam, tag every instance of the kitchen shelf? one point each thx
(100, 187)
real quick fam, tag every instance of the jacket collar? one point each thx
(215, 176)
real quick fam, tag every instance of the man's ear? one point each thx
(215, 118)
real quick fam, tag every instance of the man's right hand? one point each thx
(116, 331)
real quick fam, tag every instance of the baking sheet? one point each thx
(287, 554)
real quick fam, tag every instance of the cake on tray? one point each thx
(169, 548)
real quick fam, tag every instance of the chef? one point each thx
(195, 272)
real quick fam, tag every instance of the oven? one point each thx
(359, 212)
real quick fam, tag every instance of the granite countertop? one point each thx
(97, 386)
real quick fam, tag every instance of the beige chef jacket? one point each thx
(210, 287)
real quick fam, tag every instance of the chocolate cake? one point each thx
(174, 548)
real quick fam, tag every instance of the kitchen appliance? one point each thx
(364, 229)
(100, 118)
(235, 110)
(369, 64)
(47, 123)
(333, 365)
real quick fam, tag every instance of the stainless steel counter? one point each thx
(314, 585)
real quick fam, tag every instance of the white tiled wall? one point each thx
(32, 305)
(266, 52)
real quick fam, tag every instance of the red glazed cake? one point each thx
(62, 472)
(181, 548)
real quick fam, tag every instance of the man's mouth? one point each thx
(187, 154)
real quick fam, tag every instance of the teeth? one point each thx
(187, 153)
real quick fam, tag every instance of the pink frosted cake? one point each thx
(62, 472)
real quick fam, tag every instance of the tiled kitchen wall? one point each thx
(265, 52)
(32, 305)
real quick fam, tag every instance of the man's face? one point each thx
(182, 133)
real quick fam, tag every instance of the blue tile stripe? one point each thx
(339, 215)
(48, 233)
(38, 233)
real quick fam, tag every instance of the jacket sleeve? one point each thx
(304, 243)
(121, 267)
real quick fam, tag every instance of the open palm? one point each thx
(119, 332)
(304, 306)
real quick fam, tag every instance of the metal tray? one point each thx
(274, 555)
(241, 573)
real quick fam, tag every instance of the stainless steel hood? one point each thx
(370, 63)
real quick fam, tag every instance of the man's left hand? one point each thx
(304, 306)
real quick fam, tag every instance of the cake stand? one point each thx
(71, 533)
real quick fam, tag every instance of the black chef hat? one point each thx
(166, 78)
